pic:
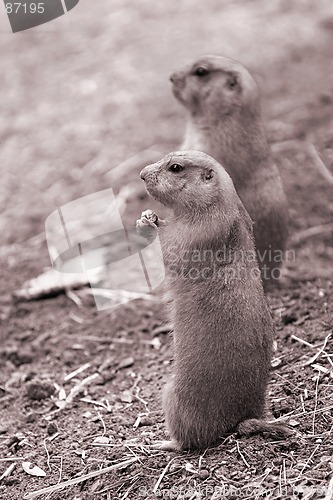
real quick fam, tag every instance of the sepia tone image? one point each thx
(166, 221)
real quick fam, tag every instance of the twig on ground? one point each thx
(291, 413)
(47, 454)
(97, 403)
(48, 283)
(315, 406)
(76, 372)
(76, 480)
(103, 423)
(8, 471)
(105, 445)
(328, 357)
(130, 488)
(288, 144)
(302, 341)
(164, 471)
(74, 297)
(79, 387)
(301, 236)
(318, 354)
(114, 485)
(118, 296)
(318, 162)
(201, 459)
(242, 456)
(60, 470)
(12, 459)
(308, 461)
(137, 390)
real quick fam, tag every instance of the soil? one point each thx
(79, 97)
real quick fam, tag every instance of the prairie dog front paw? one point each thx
(150, 216)
(146, 226)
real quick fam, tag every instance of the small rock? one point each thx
(275, 362)
(101, 440)
(126, 397)
(14, 441)
(126, 362)
(293, 422)
(203, 474)
(10, 481)
(52, 428)
(107, 375)
(30, 418)
(162, 329)
(107, 364)
(68, 357)
(289, 318)
(145, 421)
(39, 389)
(21, 357)
(100, 380)
(189, 468)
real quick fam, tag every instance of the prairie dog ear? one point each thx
(207, 174)
(232, 81)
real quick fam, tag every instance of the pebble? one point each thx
(203, 474)
(39, 389)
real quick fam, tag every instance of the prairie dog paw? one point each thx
(150, 216)
(146, 226)
(166, 446)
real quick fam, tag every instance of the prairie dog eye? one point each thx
(207, 174)
(175, 168)
(201, 71)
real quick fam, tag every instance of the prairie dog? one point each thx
(223, 330)
(222, 102)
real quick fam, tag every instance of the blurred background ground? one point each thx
(89, 90)
(86, 93)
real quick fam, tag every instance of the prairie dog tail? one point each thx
(275, 430)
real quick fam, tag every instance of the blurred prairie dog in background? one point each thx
(224, 120)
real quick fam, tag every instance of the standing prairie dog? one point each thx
(223, 329)
(224, 120)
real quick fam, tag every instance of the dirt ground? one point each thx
(80, 97)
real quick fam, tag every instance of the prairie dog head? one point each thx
(191, 183)
(215, 86)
